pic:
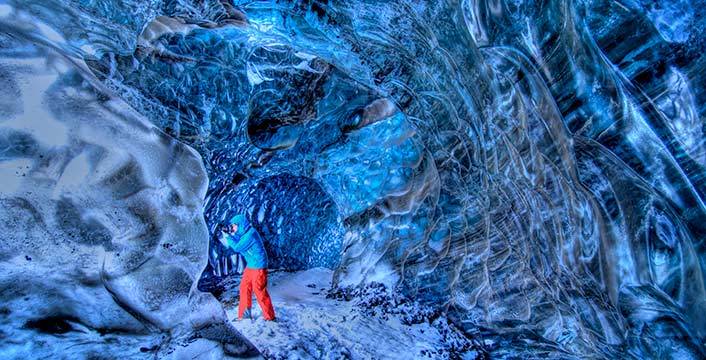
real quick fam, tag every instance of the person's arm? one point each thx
(238, 242)
(229, 241)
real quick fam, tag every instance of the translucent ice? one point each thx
(534, 169)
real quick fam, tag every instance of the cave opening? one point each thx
(298, 221)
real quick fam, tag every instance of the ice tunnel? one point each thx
(534, 171)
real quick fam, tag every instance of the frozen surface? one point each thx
(535, 170)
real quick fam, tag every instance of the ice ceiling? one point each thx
(535, 168)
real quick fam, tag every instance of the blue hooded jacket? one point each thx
(247, 242)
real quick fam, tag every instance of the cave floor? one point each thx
(310, 325)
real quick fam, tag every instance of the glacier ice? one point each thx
(535, 169)
(102, 228)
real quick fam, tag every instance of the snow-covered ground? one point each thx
(314, 322)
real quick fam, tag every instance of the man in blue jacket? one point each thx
(242, 238)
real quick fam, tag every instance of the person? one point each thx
(242, 238)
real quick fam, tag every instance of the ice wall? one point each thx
(102, 231)
(525, 165)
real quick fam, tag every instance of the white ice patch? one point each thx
(305, 56)
(5, 10)
(255, 77)
(88, 49)
(51, 34)
(261, 214)
(384, 274)
(75, 174)
(12, 173)
(35, 119)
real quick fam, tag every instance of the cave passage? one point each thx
(298, 221)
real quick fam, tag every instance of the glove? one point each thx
(223, 239)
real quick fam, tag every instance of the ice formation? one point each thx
(534, 169)
(102, 223)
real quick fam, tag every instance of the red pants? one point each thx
(255, 280)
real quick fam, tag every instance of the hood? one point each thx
(242, 222)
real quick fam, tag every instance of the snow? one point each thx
(312, 323)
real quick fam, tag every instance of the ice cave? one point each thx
(432, 179)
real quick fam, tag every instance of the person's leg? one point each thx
(261, 294)
(245, 292)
